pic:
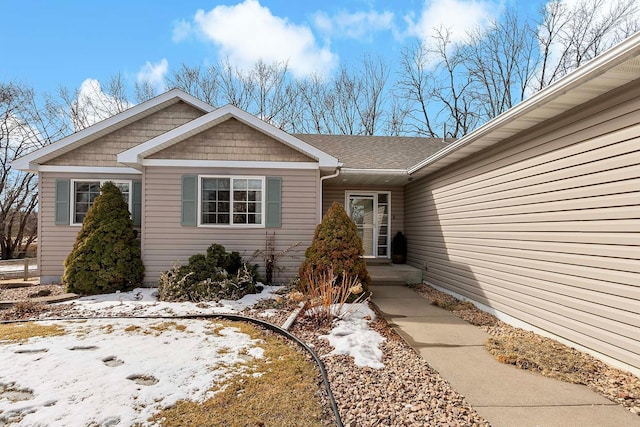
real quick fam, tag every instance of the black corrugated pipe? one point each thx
(234, 317)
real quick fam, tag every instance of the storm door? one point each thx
(370, 213)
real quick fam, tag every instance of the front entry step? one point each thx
(394, 274)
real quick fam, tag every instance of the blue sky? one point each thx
(48, 44)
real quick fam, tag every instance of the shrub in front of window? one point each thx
(336, 248)
(215, 275)
(106, 254)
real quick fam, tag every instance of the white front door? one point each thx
(370, 212)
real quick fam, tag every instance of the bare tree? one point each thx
(414, 87)
(203, 84)
(24, 127)
(501, 62)
(569, 37)
(312, 94)
(144, 91)
(93, 101)
(373, 75)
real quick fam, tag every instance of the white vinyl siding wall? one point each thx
(544, 227)
(165, 241)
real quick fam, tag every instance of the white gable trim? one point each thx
(89, 169)
(30, 162)
(134, 156)
(245, 164)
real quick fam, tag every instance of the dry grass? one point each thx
(546, 356)
(281, 389)
(543, 355)
(18, 332)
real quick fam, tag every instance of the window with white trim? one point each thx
(84, 193)
(237, 201)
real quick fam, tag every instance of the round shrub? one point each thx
(336, 247)
(106, 254)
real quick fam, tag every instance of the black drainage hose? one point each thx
(233, 317)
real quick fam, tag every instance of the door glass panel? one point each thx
(361, 212)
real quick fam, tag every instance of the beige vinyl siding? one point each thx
(56, 241)
(231, 140)
(544, 227)
(166, 241)
(103, 151)
(336, 193)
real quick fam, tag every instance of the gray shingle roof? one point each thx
(375, 152)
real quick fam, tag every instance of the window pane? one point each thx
(209, 184)
(255, 184)
(223, 207)
(239, 196)
(239, 207)
(239, 218)
(84, 195)
(223, 219)
(239, 184)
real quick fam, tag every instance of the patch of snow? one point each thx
(352, 336)
(185, 362)
(143, 302)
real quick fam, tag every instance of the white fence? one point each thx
(18, 268)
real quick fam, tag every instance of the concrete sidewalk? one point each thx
(504, 395)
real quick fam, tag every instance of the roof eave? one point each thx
(594, 69)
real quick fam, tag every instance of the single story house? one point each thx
(535, 215)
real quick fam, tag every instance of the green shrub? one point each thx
(106, 254)
(216, 275)
(336, 247)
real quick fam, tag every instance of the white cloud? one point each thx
(457, 16)
(357, 25)
(181, 30)
(93, 105)
(248, 32)
(154, 74)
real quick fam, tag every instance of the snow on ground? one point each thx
(121, 371)
(143, 302)
(352, 336)
(88, 376)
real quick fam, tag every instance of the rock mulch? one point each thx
(546, 356)
(405, 392)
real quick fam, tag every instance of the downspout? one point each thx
(322, 178)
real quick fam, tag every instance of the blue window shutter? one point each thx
(136, 203)
(189, 200)
(62, 201)
(274, 202)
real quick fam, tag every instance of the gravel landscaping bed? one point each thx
(28, 292)
(405, 392)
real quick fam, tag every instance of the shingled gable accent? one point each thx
(136, 156)
(32, 161)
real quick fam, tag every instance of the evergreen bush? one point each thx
(106, 254)
(336, 247)
(215, 275)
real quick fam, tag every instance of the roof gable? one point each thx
(32, 161)
(135, 156)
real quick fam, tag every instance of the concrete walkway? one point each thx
(504, 395)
